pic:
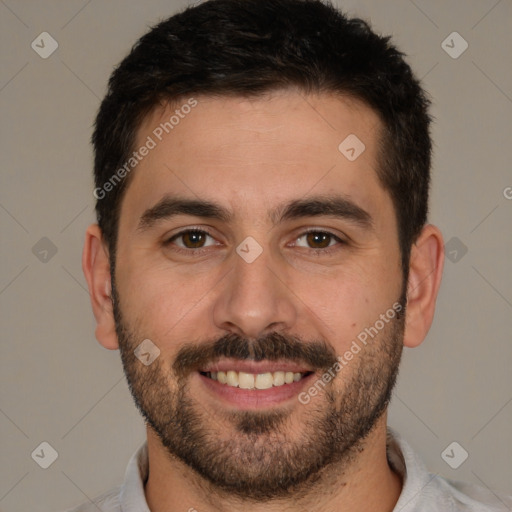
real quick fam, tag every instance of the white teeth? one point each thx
(264, 381)
(232, 378)
(278, 378)
(245, 380)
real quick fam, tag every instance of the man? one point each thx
(261, 257)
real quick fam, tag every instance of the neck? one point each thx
(366, 483)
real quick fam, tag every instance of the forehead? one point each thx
(254, 153)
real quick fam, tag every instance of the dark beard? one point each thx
(258, 461)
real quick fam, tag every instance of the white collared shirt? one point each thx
(421, 492)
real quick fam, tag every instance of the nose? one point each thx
(254, 299)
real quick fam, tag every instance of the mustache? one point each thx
(273, 347)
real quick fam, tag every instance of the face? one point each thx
(263, 265)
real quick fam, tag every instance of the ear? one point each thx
(96, 268)
(425, 271)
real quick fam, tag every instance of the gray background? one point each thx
(58, 385)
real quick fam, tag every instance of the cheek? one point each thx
(348, 301)
(164, 303)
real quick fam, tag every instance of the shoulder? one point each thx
(470, 497)
(128, 495)
(107, 502)
(423, 491)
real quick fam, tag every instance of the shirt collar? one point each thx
(407, 463)
(132, 495)
(401, 457)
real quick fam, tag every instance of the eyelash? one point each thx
(199, 251)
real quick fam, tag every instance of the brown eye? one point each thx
(319, 240)
(191, 239)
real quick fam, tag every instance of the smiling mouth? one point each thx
(244, 380)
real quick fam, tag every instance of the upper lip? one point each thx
(255, 367)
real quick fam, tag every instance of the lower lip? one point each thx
(254, 398)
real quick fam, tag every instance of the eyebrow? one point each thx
(328, 206)
(323, 206)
